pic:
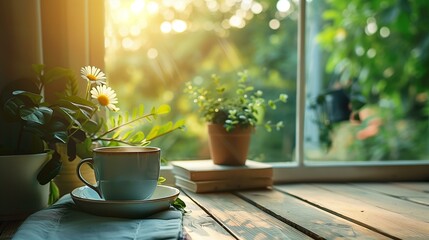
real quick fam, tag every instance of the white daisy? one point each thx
(105, 96)
(93, 75)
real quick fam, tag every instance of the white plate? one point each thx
(88, 200)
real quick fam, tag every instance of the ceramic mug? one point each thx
(124, 173)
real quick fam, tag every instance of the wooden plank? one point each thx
(382, 201)
(199, 225)
(311, 220)
(244, 220)
(374, 217)
(397, 191)
(418, 186)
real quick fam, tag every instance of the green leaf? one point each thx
(72, 87)
(54, 193)
(141, 110)
(279, 125)
(40, 115)
(126, 135)
(163, 109)
(84, 109)
(161, 180)
(268, 128)
(38, 69)
(248, 89)
(50, 169)
(84, 149)
(68, 116)
(272, 104)
(179, 124)
(153, 111)
(137, 137)
(12, 107)
(56, 73)
(80, 102)
(71, 149)
(61, 136)
(166, 127)
(134, 114)
(117, 133)
(153, 133)
(36, 99)
(283, 97)
(112, 121)
(126, 117)
(179, 204)
(78, 135)
(119, 120)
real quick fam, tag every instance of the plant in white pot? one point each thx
(232, 110)
(71, 122)
(23, 152)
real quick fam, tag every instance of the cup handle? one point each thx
(89, 161)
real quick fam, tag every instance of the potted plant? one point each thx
(72, 122)
(339, 104)
(23, 153)
(232, 110)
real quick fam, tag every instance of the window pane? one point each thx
(367, 80)
(154, 47)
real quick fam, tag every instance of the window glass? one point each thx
(367, 80)
(154, 47)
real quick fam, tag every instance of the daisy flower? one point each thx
(93, 75)
(105, 96)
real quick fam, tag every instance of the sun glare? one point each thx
(138, 6)
(132, 18)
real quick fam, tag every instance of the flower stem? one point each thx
(88, 89)
(125, 124)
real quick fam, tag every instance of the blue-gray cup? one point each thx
(124, 173)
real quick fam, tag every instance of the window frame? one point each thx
(307, 171)
(303, 171)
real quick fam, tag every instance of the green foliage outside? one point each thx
(268, 55)
(381, 48)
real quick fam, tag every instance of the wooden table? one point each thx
(305, 211)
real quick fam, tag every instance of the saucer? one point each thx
(88, 200)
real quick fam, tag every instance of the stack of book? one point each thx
(202, 176)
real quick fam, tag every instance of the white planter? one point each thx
(20, 192)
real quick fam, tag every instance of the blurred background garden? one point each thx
(373, 54)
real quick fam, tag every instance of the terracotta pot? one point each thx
(67, 180)
(229, 148)
(21, 193)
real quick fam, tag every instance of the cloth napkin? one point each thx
(64, 220)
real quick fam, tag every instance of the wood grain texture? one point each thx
(244, 220)
(311, 220)
(405, 208)
(199, 225)
(371, 215)
(397, 191)
(418, 186)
